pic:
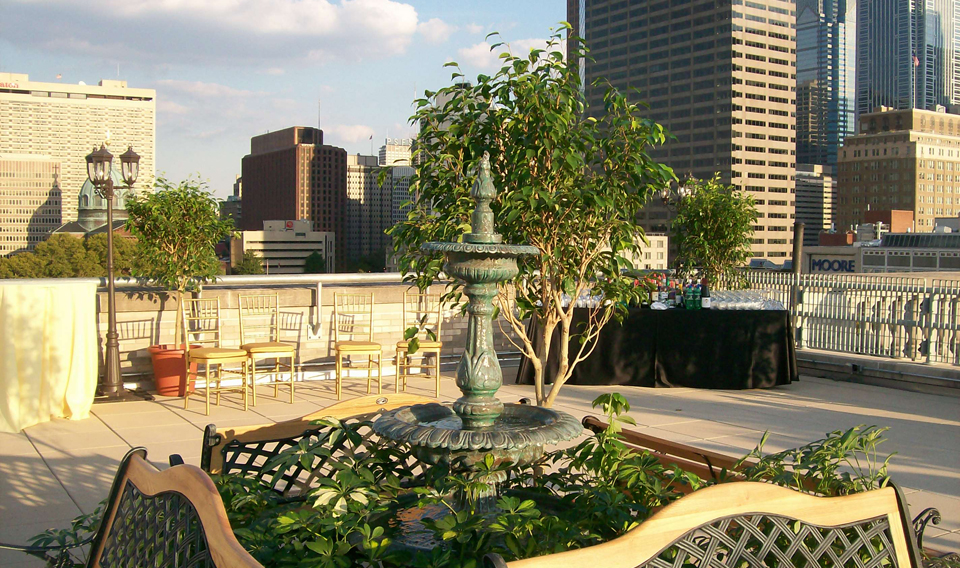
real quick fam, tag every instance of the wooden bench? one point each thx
(756, 525)
(712, 465)
(156, 518)
(248, 450)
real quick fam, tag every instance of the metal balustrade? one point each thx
(885, 316)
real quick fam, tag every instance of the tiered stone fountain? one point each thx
(478, 424)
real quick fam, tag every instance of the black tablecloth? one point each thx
(716, 349)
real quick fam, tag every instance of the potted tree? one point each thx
(177, 228)
(569, 184)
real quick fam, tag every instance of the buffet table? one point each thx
(716, 349)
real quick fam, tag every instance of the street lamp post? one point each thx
(674, 196)
(99, 165)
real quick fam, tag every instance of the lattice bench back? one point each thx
(165, 518)
(248, 450)
(747, 524)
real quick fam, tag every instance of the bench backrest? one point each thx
(165, 518)
(248, 450)
(757, 525)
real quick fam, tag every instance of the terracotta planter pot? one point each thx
(169, 370)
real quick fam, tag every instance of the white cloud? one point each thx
(206, 90)
(349, 133)
(170, 107)
(480, 55)
(436, 31)
(474, 28)
(266, 33)
(477, 55)
(274, 71)
(211, 111)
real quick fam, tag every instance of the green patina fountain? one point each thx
(478, 424)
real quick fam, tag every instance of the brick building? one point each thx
(900, 160)
(292, 174)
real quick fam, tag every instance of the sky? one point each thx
(227, 70)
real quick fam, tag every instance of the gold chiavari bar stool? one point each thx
(424, 312)
(201, 326)
(260, 338)
(353, 337)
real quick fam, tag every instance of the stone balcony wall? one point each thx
(148, 317)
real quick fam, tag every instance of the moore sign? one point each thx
(833, 264)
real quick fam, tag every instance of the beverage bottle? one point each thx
(705, 301)
(697, 297)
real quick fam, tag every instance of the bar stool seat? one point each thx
(210, 353)
(423, 344)
(357, 347)
(268, 347)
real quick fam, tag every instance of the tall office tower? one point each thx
(908, 54)
(825, 78)
(401, 193)
(29, 200)
(232, 206)
(64, 122)
(816, 196)
(722, 78)
(396, 152)
(292, 175)
(369, 208)
(900, 160)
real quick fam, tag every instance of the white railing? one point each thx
(884, 316)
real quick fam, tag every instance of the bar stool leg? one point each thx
(339, 370)
(437, 370)
(206, 371)
(253, 380)
(276, 377)
(292, 378)
(243, 383)
(399, 371)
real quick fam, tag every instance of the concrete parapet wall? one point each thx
(148, 317)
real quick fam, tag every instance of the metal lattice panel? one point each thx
(164, 530)
(252, 459)
(765, 541)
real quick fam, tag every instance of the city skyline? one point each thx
(224, 73)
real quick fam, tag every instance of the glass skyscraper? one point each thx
(825, 78)
(908, 54)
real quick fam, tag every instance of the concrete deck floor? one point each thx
(55, 471)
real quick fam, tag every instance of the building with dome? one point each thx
(92, 209)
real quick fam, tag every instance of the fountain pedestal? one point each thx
(478, 424)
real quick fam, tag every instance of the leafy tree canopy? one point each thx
(315, 263)
(713, 228)
(251, 263)
(177, 228)
(67, 256)
(569, 184)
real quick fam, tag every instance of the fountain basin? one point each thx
(436, 434)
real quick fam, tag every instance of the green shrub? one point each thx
(594, 492)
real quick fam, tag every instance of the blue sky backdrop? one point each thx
(226, 70)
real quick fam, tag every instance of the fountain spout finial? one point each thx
(481, 222)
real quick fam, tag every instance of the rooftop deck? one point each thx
(54, 471)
